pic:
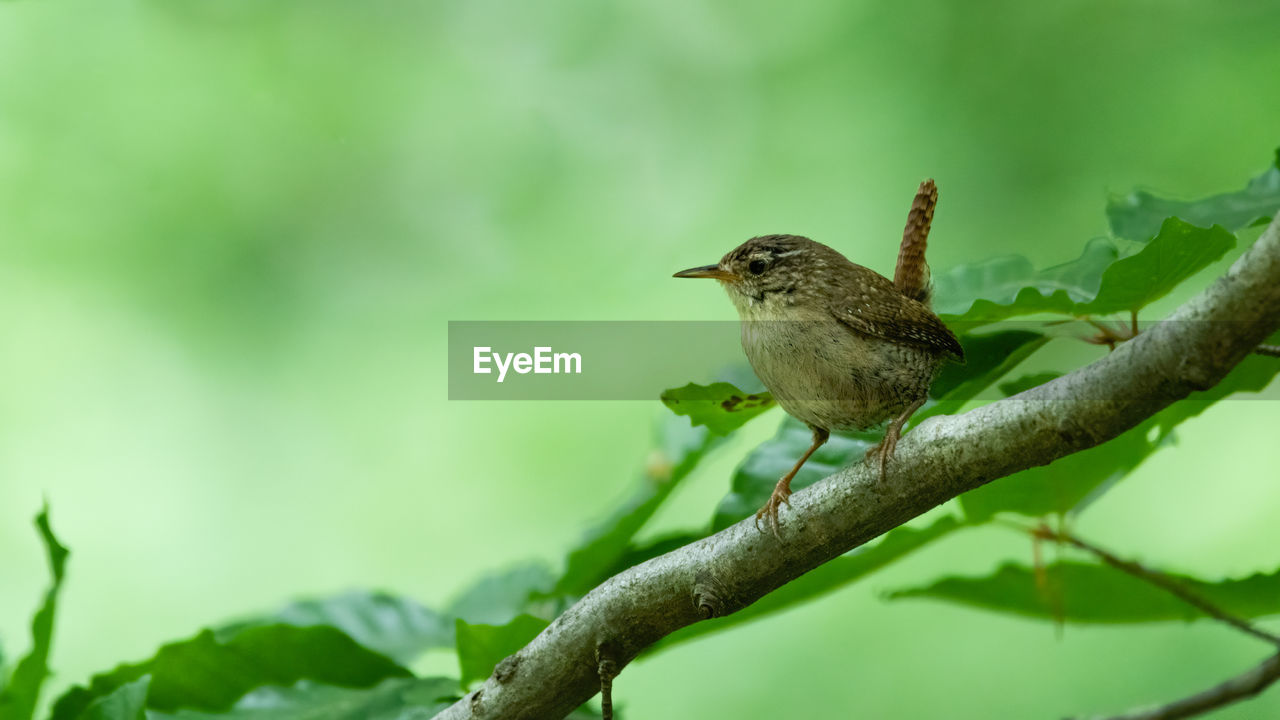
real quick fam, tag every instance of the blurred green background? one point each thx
(232, 233)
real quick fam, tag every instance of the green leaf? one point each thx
(1179, 251)
(1005, 287)
(392, 699)
(207, 673)
(1062, 484)
(1070, 483)
(482, 647)
(755, 476)
(127, 702)
(1098, 283)
(1026, 382)
(987, 359)
(395, 626)
(1139, 215)
(1252, 375)
(720, 406)
(19, 696)
(678, 449)
(1083, 592)
(826, 578)
(661, 545)
(498, 597)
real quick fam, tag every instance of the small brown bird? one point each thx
(840, 346)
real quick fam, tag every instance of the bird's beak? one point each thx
(714, 272)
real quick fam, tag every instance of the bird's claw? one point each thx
(769, 513)
(883, 451)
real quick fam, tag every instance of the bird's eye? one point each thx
(755, 267)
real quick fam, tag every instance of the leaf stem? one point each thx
(1160, 580)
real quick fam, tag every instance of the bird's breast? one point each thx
(828, 376)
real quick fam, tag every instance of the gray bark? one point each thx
(945, 456)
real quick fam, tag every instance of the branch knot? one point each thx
(709, 595)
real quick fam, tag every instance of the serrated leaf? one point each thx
(206, 673)
(395, 626)
(826, 578)
(22, 691)
(1006, 287)
(720, 406)
(1083, 592)
(482, 647)
(1177, 252)
(393, 699)
(127, 702)
(678, 448)
(1139, 215)
(1098, 283)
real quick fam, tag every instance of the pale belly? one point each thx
(830, 377)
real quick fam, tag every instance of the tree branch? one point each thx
(1237, 688)
(945, 456)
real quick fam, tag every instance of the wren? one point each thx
(840, 346)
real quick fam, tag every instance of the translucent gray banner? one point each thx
(604, 360)
(637, 360)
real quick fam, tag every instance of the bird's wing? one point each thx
(877, 309)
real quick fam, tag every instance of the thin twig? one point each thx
(606, 697)
(1237, 688)
(1241, 687)
(607, 669)
(1160, 580)
(1272, 350)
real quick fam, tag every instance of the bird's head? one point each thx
(771, 269)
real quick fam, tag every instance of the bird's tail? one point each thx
(911, 277)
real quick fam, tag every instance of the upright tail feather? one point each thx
(911, 277)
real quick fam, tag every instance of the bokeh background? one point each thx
(232, 233)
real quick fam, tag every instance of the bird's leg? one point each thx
(886, 446)
(782, 491)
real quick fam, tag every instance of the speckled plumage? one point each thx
(838, 346)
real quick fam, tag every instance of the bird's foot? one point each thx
(891, 434)
(769, 513)
(882, 451)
